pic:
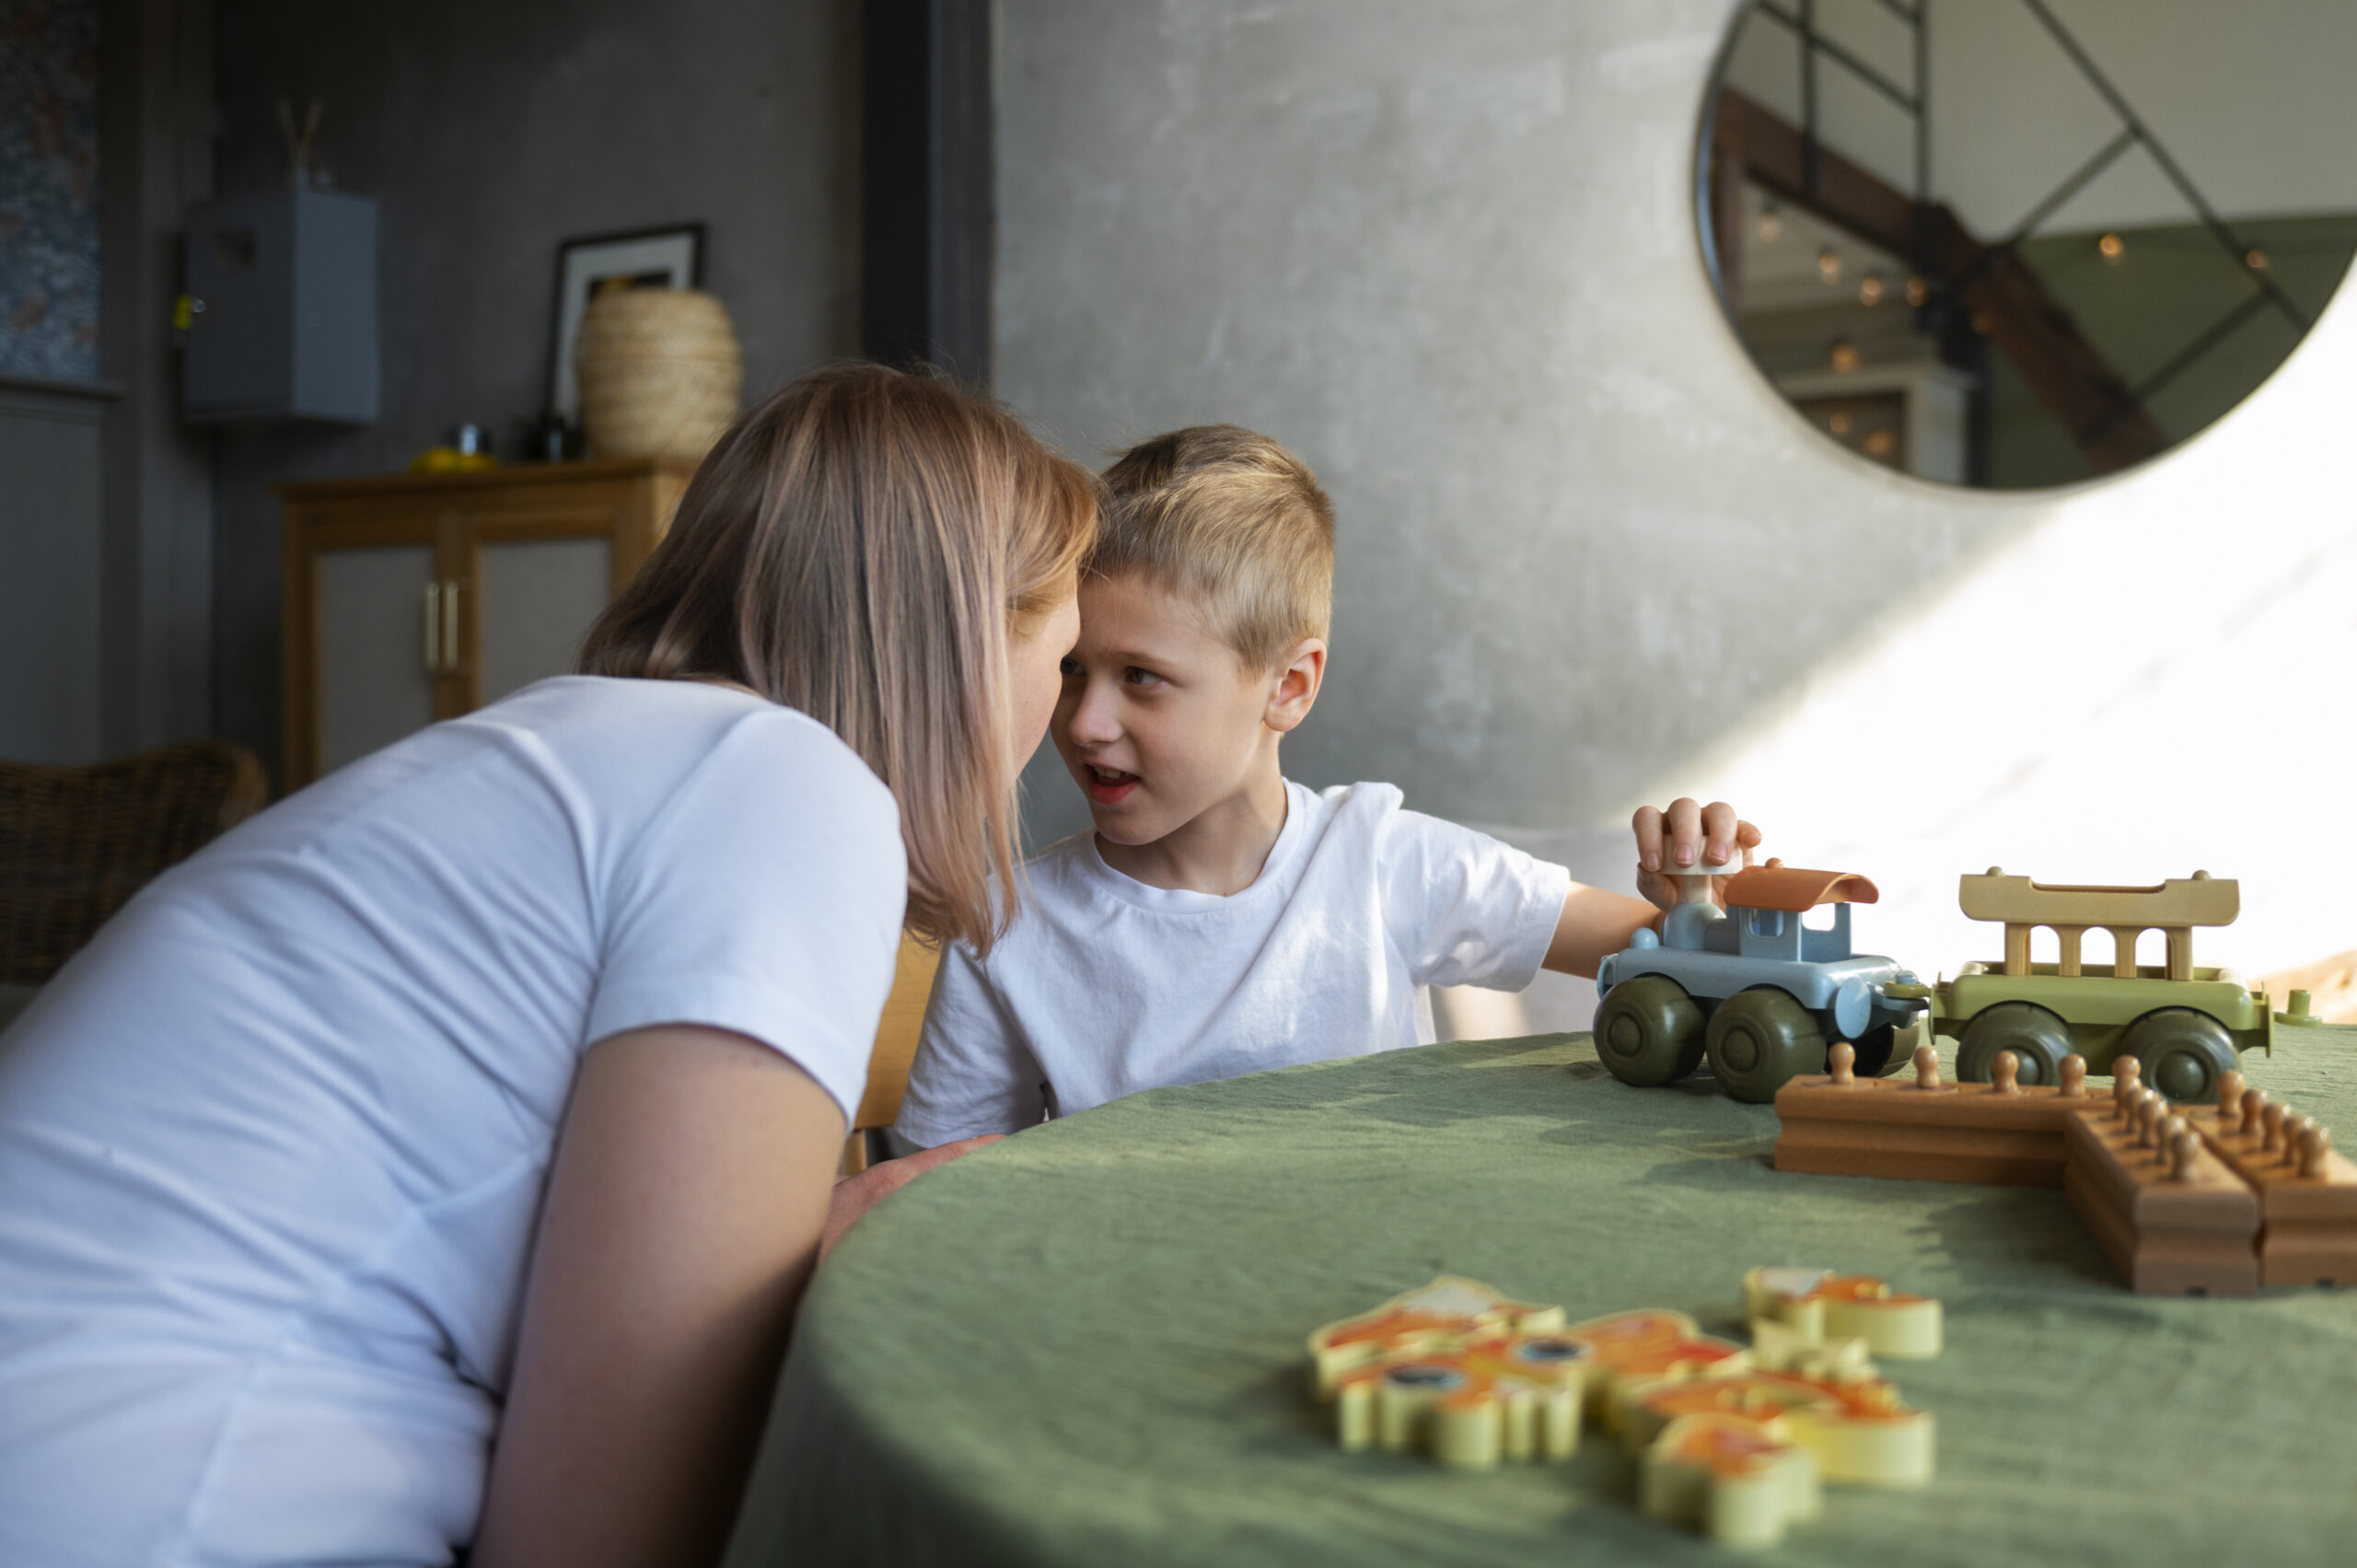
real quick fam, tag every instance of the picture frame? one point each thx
(670, 256)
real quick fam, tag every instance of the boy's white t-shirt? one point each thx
(271, 1149)
(1105, 986)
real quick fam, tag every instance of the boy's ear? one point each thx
(1297, 681)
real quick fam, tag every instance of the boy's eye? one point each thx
(1069, 666)
(1138, 676)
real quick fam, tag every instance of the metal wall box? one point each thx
(283, 301)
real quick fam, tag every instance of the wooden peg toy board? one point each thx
(1972, 1132)
(2240, 1214)
(2311, 1220)
(2167, 1235)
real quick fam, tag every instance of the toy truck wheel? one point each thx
(1649, 1031)
(1757, 1041)
(2182, 1052)
(2038, 1039)
(1879, 1048)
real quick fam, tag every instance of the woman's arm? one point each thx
(684, 1212)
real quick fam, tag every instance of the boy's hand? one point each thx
(1688, 835)
(854, 1195)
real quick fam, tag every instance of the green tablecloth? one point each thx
(1083, 1345)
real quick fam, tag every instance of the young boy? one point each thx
(1219, 919)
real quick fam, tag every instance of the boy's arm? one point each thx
(973, 1072)
(1596, 925)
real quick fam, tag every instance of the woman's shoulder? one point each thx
(596, 763)
(649, 729)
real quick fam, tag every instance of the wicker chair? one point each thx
(77, 843)
(896, 1048)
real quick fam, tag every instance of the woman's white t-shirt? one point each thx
(1105, 986)
(271, 1149)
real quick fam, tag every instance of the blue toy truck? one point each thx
(1759, 995)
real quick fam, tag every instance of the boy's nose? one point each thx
(1089, 719)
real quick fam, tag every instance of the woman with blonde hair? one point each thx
(436, 1159)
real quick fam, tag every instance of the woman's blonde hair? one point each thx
(861, 547)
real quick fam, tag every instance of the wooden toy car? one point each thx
(1752, 989)
(2184, 1025)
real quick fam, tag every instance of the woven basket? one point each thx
(660, 373)
(77, 843)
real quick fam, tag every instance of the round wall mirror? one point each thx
(2019, 243)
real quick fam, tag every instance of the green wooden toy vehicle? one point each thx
(2184, 1025)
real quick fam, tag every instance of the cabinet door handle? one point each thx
(433, 628)
(450, 628)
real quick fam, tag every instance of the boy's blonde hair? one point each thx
(1232, 519)
(863, 546)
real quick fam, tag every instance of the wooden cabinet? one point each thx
(411, 597)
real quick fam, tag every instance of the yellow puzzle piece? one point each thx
(1827, 1307)
(1739, 1481)
(1458, 1369)
(1856, 1427)
(1449, 1310)
(1647, 1347)
(1736, 1442)
(1514, 1395)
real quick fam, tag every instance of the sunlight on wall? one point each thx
(2152, 679)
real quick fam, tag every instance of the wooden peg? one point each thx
(2168, 1128)
(2250, 1110)
(2182, 1148)
(2230, 1091)
(2271, 1126)
(2074, 1077)
(2148, 1116)
(2005, 1073)
(1927, 1067)
(2127, 1076)
(2315, 1149)
(1843, 1061)
(2296, 1129)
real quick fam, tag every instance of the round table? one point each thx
(1083, 1345)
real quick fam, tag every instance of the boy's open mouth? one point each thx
(1109, 786)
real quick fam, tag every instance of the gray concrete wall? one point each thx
(1588, 557)
(106, 500)
(491, 133)
(53, 527)
(157, 584)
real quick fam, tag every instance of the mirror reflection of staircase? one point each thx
(1974, 329)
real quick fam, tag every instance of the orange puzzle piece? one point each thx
(1514, 1395)
(1458, 1369)
(1737, 1479)
(1647, 1347)
(1447, 1311)
(1856, 1426)
(1826, 1308)
(1474, 1376)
